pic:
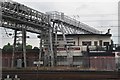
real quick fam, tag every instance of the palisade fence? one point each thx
(81, 63)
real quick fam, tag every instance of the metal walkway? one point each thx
(70, 25)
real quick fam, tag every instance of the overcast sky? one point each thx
(100, 14)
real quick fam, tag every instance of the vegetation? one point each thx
(35, 48)
(29, 47)
(8, 47)
(18, 47)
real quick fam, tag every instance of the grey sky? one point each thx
(95, 13)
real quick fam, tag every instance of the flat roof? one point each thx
(86, 35)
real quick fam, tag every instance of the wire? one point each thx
(6, 32)
(106, 26)
(93, 15)
(99, 20)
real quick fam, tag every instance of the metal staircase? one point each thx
(66, 46)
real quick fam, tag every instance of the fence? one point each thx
(92, 63)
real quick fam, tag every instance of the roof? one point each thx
(86, 35)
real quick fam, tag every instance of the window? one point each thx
(95, 43)
(100, 42)
(85, 43)
(71, 42)
(106, 43)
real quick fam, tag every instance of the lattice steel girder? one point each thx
(23, 11)
(60, 17)
(19, 26)
(70, 29)
(67, 29)
(15, 23)
(20, 14)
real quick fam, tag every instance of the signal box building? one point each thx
(86, 39)
(78, 44)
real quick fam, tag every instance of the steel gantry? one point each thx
(22, 18)
(19, 17)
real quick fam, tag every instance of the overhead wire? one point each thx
(6, 32)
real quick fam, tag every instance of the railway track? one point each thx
(62, 75)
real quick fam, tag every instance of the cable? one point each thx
(109, 26)
(99, 20)
(6, 32)
(93, 15)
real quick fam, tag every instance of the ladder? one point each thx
(66, 46)
(48, 45)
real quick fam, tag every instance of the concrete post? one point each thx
(24, 46)
(51, 48)
(14, 44)
(40, 51)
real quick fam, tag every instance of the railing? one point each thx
(60, 16)
(94, 48)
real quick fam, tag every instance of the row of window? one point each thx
(86, 43)
(89, 43)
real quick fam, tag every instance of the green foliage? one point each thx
(18, 47)
(8, 47)
(29, 47)
(35, 48)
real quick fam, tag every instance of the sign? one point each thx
(38, 62)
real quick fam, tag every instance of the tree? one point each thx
(18, 47)
(29, 47)
(8, 47)
(35, 48)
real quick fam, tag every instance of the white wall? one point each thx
(78, 40)
(92, 39)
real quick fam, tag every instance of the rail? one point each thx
(61, 17)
